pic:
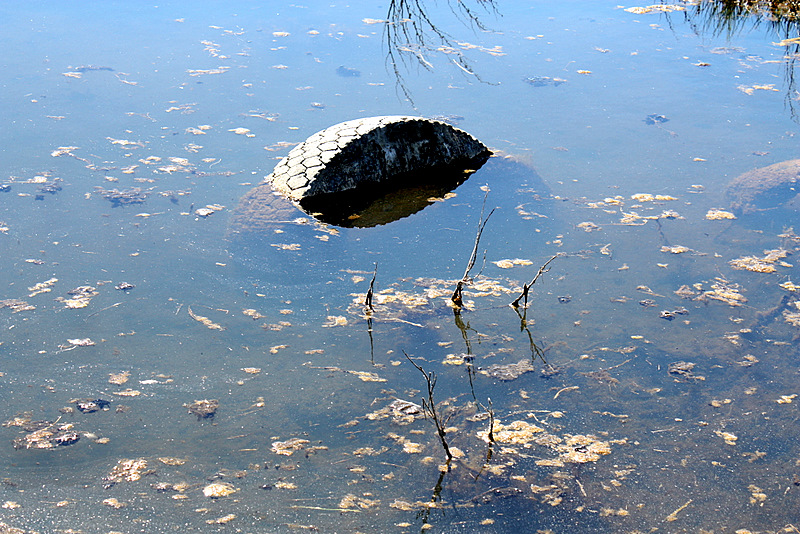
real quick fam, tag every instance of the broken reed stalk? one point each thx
(490, 411)
(456, 297)
(489, 437)
(368, 298)
(524, 295)
(429, 407)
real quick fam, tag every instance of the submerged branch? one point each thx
(525, 288)
(370, 291)
(429, 407)
(456, 297)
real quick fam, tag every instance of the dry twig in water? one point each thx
(368, 298)
(429, 407)
(456, 297)
(524, 295)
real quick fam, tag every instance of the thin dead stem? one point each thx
(368, 298)
(429, 407)
(456, 297)
(525, 288)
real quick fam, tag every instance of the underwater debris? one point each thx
(588, 226)
(45, 435)
(168, 460)
(127, 393)
(367, 376)
(119, 378)
(508, 264)
(685, 292)
(83, 342)
(659, 8)
(765, 264)
(724, 291)
(510, 371)
(757, 495)
(289, 447)
(48, 187)
(353, 501)
(215, 490)
(250, 312)
(125, 471)
(114, 503)
(753, 264)
(655, 118)
(16, 305)
(793, 317)
(335, 320)
(208, 210)
(208, 323)
(764, 188)
(133, 195)
(514, 433)
(674, 515)
(684, 370)
(675, 249)
(728, 437)
(788, 286)
(670, 315)
(42, 287)
(203, 409)
(647, 197)
(718, 215)
(580, 449)
(542, 81)
(81, 296)
(91, 405)
(402, 412)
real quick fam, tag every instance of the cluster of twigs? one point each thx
(429, 404)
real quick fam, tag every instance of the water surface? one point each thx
(99, 101)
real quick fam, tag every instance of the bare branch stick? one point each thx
(456, 297)
(429, 407)
(524, 295)
(368, 298)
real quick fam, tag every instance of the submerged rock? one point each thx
(764, 188)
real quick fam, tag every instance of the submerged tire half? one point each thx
(373, 151)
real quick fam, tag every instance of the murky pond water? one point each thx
(649, 385)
